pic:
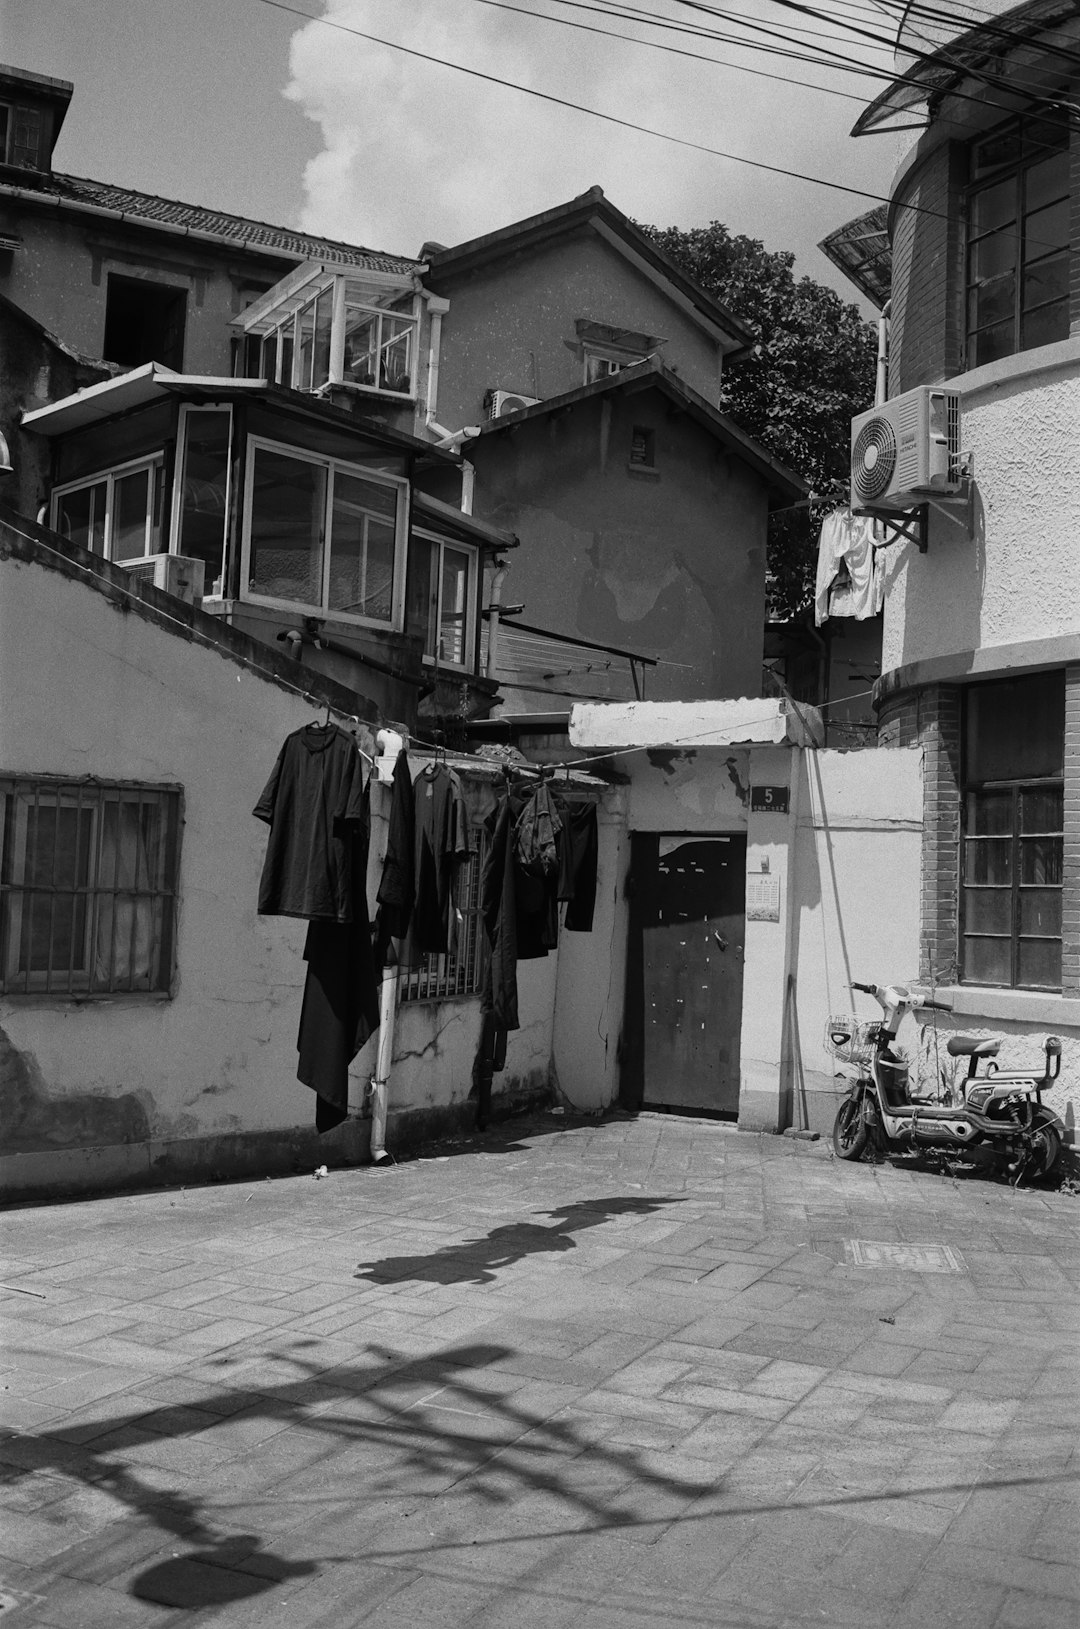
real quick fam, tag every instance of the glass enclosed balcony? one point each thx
(325, 326)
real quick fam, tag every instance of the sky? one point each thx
(246, 107)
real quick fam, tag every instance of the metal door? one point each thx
(690, 910)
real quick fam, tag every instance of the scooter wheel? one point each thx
(849, 1132)
(1046, 1149)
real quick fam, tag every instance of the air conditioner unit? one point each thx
(176, 574)
(907, 450)
(508, 401)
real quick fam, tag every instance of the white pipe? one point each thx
(881, 393)
(435, 316)
(468, 486)
(493, 620)
(380, 1080)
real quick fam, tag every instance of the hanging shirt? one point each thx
(578, 847)
(397, 885)
(850, 582)
(314, 806)
(442, 845)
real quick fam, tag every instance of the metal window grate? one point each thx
(88, 886)
(459, 972)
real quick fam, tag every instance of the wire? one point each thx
(656, 45)
(607, 118)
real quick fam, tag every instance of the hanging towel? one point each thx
(850, 581)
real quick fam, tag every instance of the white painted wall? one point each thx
(591, 976)
(86, 689)
(1016, 580)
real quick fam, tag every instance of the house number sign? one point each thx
(769, 799)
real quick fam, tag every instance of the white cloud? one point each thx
(413, 150)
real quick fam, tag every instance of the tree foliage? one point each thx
(811, 368)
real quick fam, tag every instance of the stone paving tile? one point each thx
(623, 1374)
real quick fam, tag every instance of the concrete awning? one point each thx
(746, 721)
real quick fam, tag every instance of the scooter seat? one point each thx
(971, 1046)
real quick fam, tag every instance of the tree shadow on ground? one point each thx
(477, 1261)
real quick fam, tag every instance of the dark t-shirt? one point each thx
(442, 844)
(313, 804)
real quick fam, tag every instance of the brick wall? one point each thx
(1074, 225)
(1070, 950)
(926, 340)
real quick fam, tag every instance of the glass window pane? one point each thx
(1039, 964)
(988, 910)
(1001, 147)
(305, 341)
(395, 370)
(989, 814)
(285, 355)
(361, 346)
(324, 312)
(986, 961)
(994, 207)
(422, 592)
(1044, 135)
(131, 500)
(1042, 808)
(202, 501)
(988, 860)
(993, 255)
(80, 517)
(1045, 326)
(362, 549)
(452, 611)
(1015, 729)
(1040, 912)
(994, 301)
(1041, 860)
(58, 840)
(1045, 182)
(992, 344)
(288, 501)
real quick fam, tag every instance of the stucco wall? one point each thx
(1016, 578)
(511, 325)
(87, 689)
(670, 566)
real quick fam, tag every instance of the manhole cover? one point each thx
(911, 1258)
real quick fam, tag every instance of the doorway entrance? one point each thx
(685, 972)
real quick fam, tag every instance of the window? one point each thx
(379, 349)
(323, 534)
(144, 322)
(20, 136)
(442, 598)
(602, 364)
(459, 971)
(343, 335)
(203, 489)
(116, 514)
(1012, 833)
(88, 882)
(643, 447)
(1018, 240)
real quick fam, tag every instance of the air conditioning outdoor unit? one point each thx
(907, 450)
(508, 401)
(176, 574)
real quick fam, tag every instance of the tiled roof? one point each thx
(169, 212)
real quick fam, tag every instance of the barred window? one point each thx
(88, 882)
(459, 971)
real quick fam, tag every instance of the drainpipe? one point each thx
(881, 393)
(468, 486)
(437, 309)
(493, 619)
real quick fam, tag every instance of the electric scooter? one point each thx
(997, 1117)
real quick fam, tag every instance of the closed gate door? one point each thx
(690, 899)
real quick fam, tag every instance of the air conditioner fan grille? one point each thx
(873, 459)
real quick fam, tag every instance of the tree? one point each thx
(811, 368)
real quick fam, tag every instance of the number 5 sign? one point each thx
(769, 799)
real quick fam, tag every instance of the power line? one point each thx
(656, 45)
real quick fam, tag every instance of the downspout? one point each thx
(468, 486)
(881, 393)
(437, 309)
(493, 620)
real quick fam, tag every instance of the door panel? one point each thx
(690, 898)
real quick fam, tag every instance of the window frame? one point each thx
(179, 476)
(288, 332)
(155, 464)
(90, 795)
(397, 483)
(1016, 173)
(469, 621)
(613, 358)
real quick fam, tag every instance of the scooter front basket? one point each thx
(850, 1039)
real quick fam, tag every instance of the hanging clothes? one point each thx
(498, 911)
(341, 999)
(397, 884)
(578, 849)
(313, 804)
(850, 580)
(537, 828)
(442, 847)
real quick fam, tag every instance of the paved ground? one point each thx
(642, 1373)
